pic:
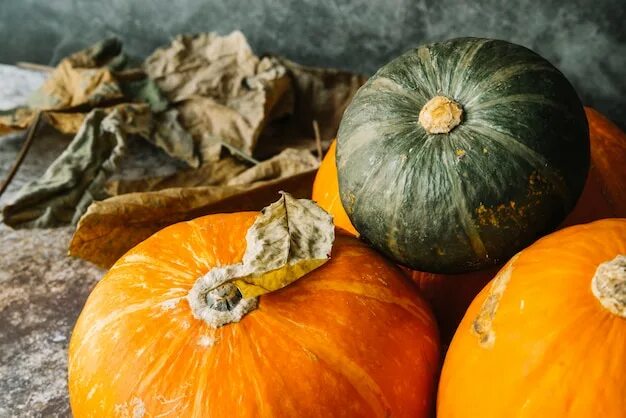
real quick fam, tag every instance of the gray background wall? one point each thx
(586, 39)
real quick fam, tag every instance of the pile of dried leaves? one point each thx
(239, 128)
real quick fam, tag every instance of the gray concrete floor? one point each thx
(41, 294)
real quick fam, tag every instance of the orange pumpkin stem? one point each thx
(609, 285)
(440, 115)
(218, 305)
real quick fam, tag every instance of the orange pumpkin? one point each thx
(547, 337)
(449, 295)
(604, 195)
(350, 338)
(326, 191)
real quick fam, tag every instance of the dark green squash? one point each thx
(456, 155)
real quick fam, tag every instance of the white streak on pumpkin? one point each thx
(206, 341)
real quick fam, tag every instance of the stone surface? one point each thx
(41, 294)
(585, 39)
(42, 290)
(17, 84)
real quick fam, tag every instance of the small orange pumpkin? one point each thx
(350, 338)
(547, 337)
(604, 195)
(326, 191)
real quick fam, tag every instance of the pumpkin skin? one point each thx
(351, 338)
(326, 191)
(604, 195)
(537, 342)
(448, 295)
(469, 198)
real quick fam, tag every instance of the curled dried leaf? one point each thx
(288, 240)
(111, 227)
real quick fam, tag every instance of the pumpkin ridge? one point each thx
(253, 353)
(162, 366)
(464, 61)
(467, 221)
(522, 150)
(366, 182)
(513, 98)
(391, 86)
(102, 323)
(378, 293)
(432, 75)
(464, 136)
(143, 383)
(339, 362)
(500, 76)
(147, 261)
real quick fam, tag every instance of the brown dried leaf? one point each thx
(223, 91)
(16, 119)
(227, 171)
(288, 163)
(83, 78)
(77, 176)
(317, 94)
(67, 123)
(210, 174)
(113, 226)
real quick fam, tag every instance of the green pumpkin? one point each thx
(458, 154)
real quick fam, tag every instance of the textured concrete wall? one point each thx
(586, 39)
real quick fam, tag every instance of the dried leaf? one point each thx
(77, 176)
(67, 123)
(111, 227)
(83, 78)
(289, 239)
(227, 171)
(301, 235)
(223, 91)
(106, 53)
(289, 162)
(211, 174)
(170, 136)
(137, 87)
(317, 94)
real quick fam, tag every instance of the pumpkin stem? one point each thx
(219, 305)
(609, 285)
(440, 115)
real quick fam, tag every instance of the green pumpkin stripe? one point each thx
(531, 156)
(432, 75)
(465, 61)
(498, 77)
(513, 98)
(467, 220)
